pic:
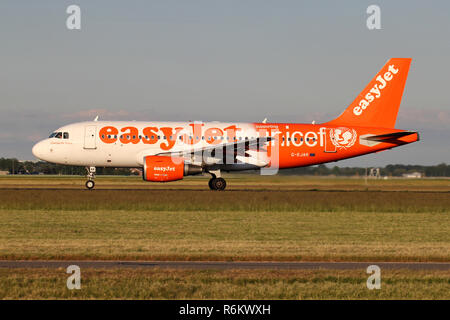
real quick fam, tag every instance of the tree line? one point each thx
(14, 166)
(393, 170)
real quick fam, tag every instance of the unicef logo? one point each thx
(343, 137)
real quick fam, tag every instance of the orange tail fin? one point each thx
(377, 105)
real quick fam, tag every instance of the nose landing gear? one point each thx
(90, 184)
(91, 176)
(216, 182)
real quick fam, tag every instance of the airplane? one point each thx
(169, 151)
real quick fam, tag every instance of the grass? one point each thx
(235, 182)
(243, 200)
(229, 284)
(218, 235)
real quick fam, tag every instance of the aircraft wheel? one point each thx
(90, 184)
(210, 184)
(217, 184)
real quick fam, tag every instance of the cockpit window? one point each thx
(59, 135)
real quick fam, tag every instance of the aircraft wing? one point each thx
(245, 151)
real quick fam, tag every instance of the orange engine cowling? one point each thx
(163, 169)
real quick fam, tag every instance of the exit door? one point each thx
(89, 137)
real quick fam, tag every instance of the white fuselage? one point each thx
(85, 144)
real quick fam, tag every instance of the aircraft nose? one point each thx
(39, 150)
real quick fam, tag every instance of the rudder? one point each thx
(377, 105)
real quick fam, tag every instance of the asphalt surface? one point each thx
(199, 265)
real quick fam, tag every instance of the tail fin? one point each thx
(377, 105)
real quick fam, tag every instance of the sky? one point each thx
(228, 60)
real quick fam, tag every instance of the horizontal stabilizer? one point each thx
(390, 136)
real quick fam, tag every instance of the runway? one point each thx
(225, 265)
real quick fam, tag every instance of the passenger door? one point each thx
(90, 137)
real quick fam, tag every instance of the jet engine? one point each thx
(164, 169)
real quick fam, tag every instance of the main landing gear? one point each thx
(91, 176)
(216, 182)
